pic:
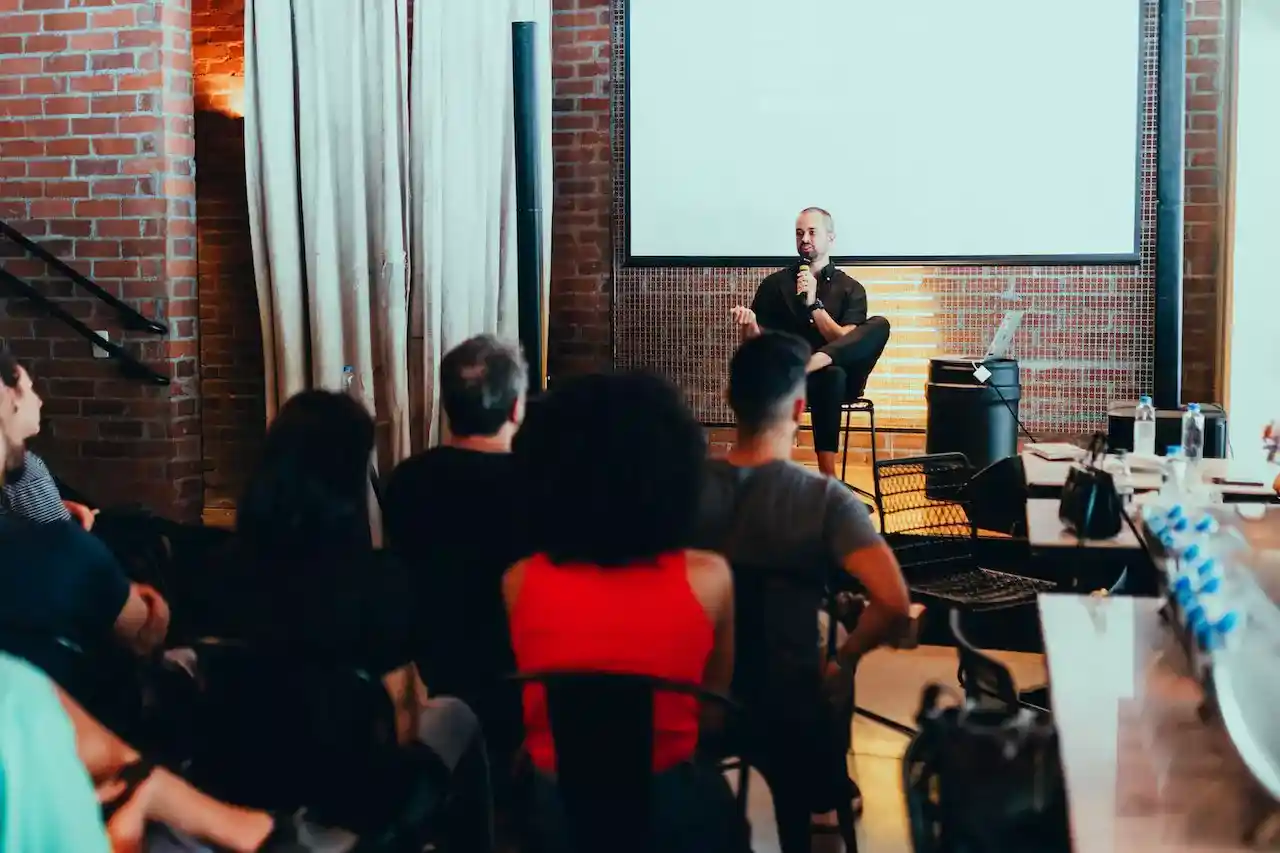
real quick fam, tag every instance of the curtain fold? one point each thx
(462, 179)
(382, 193)
(326, 145)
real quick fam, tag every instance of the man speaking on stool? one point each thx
(815, 301)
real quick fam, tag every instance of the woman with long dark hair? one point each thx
(315, 591)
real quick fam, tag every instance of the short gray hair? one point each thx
(480, 381)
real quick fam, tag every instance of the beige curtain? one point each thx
(326, 132)
(462, 179)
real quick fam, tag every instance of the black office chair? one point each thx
(761, 597)
(924, 517)
(602, 726)
(282, 733)
(988, 682)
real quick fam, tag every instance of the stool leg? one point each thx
(875, 459)
(844, 462)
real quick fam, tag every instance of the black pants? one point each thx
(853, 357)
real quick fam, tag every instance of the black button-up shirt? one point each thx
(779, 307)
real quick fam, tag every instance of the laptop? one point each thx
(1004, 335)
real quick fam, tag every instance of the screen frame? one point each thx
(631, 260)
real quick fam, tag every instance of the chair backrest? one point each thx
(602, 726)
(986, 681)
(924, 516)
(775, 628)
(280, 731)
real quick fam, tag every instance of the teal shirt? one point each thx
(47, 801)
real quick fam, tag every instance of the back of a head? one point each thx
(614, 467)
(481, 380)
(8, 370)
(765, 374)
(309, 490)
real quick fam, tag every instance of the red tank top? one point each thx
(641, 619)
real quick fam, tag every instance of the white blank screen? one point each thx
(931, 129)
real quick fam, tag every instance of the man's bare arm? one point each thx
(828, 327)
(888, 609)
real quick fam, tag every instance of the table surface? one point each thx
(1143, 772)
(1043, 473)
(1046, 530)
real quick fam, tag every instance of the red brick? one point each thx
(71, 62)
(63, 21)
(43, 85)
(110, 61)
(93, 41)
(67, 147)
(66, 106)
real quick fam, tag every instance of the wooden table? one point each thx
(1046, 476)
(1143, 772)
(1046, 531)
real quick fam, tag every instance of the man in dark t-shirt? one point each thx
(453, 517)
(59, 585)
(820, 304)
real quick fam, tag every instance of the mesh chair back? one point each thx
(925, 518)
(923, 512)
(602, 727)
(986, 681)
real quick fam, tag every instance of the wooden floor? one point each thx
(889, 683)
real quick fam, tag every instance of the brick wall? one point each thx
(96, 162)
(1201, 353)
(581, 225)
(230, 334)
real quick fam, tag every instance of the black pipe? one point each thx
(529, 212)
(129, 366)
(128, 315)
(1170, 178)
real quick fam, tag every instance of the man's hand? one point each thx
(82, 515)
(745, 319)
(807, 285)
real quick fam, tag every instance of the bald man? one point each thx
(827, 308)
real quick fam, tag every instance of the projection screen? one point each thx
(935, 131)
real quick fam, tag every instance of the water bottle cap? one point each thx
(1193, 551)
(1175, 511)
(1206, 637)
(1207, 524)
(1193, 611)
(1180, 525)
(1193, 407)
(1181, 584)
(348, 369)
(1211, 586)
(1166, 539)
(1208, 567)
(1173, 450)
(1229, 622)
(1144, 400)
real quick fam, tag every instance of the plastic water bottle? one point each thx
(1144, 428)
(1193, 433)
(348, 379)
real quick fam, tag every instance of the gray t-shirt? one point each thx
(784, 516)
(782, 519)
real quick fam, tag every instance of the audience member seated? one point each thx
(766, 513)
(30, 491)
(453, 516)
(310, 586)
(58, 583)
(56, 762)
(614, 468)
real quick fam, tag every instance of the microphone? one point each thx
(804, 268)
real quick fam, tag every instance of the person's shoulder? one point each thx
(843, 278)
(709, 573)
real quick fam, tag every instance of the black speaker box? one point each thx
(1168, 428)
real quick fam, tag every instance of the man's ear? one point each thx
(797, 409)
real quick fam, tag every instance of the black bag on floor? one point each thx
(979, 781)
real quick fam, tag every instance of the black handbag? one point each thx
(1091, 506)
(978, 780)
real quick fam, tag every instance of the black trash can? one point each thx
(970, 417)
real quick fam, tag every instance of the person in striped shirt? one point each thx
(29, 490)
